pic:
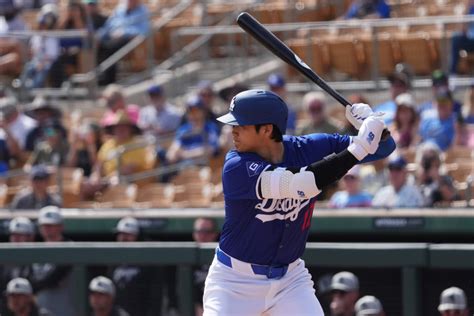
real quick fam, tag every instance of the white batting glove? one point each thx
(357, 113)
(367, 140)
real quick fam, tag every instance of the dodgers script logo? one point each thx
(280, 209)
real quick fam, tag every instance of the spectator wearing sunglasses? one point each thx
(319, 122)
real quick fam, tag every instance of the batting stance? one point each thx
(270, 185)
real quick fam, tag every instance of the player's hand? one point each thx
(357, 113)
(367, 140)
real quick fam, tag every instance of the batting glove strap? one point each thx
(357, 149)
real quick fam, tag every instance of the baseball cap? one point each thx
(21, 225)
(439, 78)
(155, 90)
(194, 102)
(345, 281)
(19, 286)
(405, 99)
(354, 171)
(254, 107)
(39, 172)
(276, 81)
(128, 225)
(8, 105)
(50, 215)
(103, 285)
(452, 298)
(397, 162)
(368, 305)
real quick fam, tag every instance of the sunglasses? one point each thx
(350, 177)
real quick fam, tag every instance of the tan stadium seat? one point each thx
(198, 175)
(419, 51)
(387, 51)
(346, 57)
(193, 195)
(155, 195)
(118, 196)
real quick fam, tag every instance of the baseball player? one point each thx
(270, 184)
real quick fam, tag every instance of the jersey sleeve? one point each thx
(322, 145)
(241, 174)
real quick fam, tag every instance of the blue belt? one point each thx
(271, 272)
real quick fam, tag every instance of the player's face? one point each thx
(246, 138)
(454, 312)
(342, 303)
(51, 232)
(125, 237)
(204, 231)
(100, 301)
(18, 303)
(21, 238)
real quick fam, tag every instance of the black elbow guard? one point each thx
(332, 168)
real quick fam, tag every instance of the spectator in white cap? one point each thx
(137, 286)
(21, 229)
(452, 302)
(344, 293)
(20, 299)
(102, 297)
(127, 229)
(404, 129)
(352, 194)
(369, 306)
(50, 221)
(53, 283)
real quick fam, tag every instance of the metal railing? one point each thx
(411, 259)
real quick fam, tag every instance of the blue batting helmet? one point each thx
(254, 107)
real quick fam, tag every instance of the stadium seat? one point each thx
(387, 50)
(346, 56)
(458, 154)
(3, 195)
(419, 51)
(155, 195)
(193, 195)
(118, 196)
(193, 175)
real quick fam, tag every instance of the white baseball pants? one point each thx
(238, 291)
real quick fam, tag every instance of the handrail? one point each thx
(130, 46)
(282, 27)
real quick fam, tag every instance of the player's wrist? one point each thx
(357, 150)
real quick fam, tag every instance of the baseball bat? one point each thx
(250, 25)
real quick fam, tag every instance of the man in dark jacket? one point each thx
(139, 291)
(20, 299)
(102, 297)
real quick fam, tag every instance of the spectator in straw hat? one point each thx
(102, 298)
(369, 306)
(453, 301)
(20, 299)
(45, 112)
(138, 289)
(123, 130)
